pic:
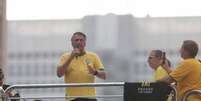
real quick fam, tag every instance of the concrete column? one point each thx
(3, 34)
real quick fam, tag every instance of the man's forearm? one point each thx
(168, 70)
(167, 80)
(62, 69)
(167, 67)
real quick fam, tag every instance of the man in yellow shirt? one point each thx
(80, 66)
(188, 73)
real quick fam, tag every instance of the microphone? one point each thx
(76, 47)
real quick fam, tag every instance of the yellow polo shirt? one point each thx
(159, 73)
(188, 77)
(77, 72)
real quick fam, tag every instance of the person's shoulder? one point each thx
(189, 61)
(160, 69)
(91, 53)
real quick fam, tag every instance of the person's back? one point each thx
(187, 74)
(191, 69)
(196, 85)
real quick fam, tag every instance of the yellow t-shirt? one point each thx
(159, 73)
(188, 77)
(77, 72)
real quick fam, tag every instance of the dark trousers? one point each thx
(83, 99)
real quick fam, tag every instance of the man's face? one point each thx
(154, 61)
(78, 41)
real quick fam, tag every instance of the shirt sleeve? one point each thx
(182, 70)
(63, 59)
(159, 73)
(97, 63)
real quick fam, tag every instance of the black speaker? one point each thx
(146, 91)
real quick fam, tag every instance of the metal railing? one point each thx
(29, 86)
(189, 93)
(174, 90)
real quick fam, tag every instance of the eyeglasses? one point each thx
(150, 57)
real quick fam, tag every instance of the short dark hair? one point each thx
(158, 53)
(191, 47)
(80, 33)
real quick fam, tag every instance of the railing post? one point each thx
(174, 98)
(189, 93)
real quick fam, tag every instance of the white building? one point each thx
(122, 41)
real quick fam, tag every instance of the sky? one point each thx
(76, 9)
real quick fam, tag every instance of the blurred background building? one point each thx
(122, 41)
